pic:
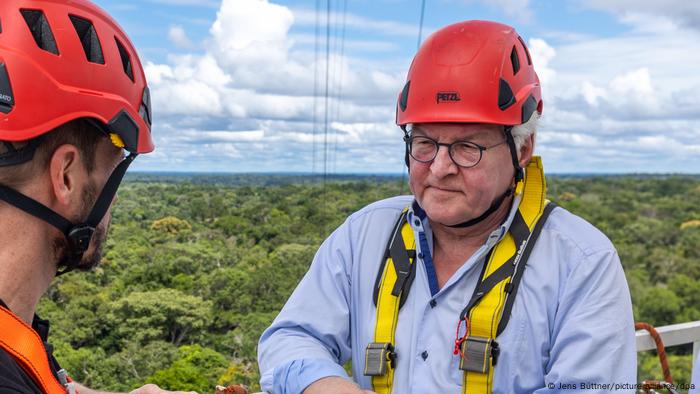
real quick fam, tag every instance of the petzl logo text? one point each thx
(446, 97)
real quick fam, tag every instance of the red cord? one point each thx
(459, 340)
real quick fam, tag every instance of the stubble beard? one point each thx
(65, 254)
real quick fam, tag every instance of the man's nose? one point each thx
(442, 164)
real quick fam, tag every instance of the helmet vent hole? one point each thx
(527, 52)
(126, 60)
(506, 98)
(88, 37)
(515, 60)
(145, 108)
(40, 29)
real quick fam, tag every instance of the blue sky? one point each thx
(233, 81)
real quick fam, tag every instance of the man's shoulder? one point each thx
(575, 232)
(12, 378)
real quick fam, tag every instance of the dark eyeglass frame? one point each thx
(409, 142)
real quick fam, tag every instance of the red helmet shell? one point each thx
(52, 79)
(471, 72)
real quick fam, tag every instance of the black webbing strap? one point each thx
(405, 271)
(378, 280)
(520, 268)
(402, 264)
(34, 208)
(108, 191)
(494, 206)
(519, 172)
(13, 156)
(520, 232)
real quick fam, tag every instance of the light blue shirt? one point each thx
(571, 322)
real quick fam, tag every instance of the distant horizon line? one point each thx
(388, 174)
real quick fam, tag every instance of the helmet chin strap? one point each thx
(494, 206)
(78, 235)
(518, 177)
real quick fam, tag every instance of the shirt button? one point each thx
(433, 303)
(424, 355)
(416, 222)
(420, 255)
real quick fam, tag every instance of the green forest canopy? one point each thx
(196, 267)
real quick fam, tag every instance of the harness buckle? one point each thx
(478, 354)
(80, 236)
(379, 356)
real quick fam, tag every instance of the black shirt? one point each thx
(13, 379)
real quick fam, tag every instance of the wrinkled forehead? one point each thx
(455, 130)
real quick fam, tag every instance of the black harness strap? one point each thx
(520, 268)
(520, 233)
(494, 206)
(401, 257)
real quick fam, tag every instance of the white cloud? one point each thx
(542, 53)
(350, 44)
(251, 32)
(250, 76)
(611, 103)
(250, 69)
(518, 9)
(307, 17)
(198, 3)
(622, 103)
(178, 36)
(683, 11)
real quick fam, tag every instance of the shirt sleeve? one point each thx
(310, 338)
(593, 338)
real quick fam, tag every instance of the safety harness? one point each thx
(21, 342)
(487, 312)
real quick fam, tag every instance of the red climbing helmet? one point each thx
(471, 72)
(62, 60)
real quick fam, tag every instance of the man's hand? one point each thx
(335, 385)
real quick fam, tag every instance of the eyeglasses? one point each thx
(463, 153)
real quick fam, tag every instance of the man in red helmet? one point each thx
(74, 113)
(476, 283)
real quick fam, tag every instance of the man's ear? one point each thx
(526, 151)
(66, 171)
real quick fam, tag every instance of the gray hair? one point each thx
(523, 131)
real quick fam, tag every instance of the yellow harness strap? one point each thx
(492, 299)
(485, 316)
(380, 357)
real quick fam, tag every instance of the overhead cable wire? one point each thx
(339, 85)
(420, 24)
(325, 120)
(315, 106)
(326, 94)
